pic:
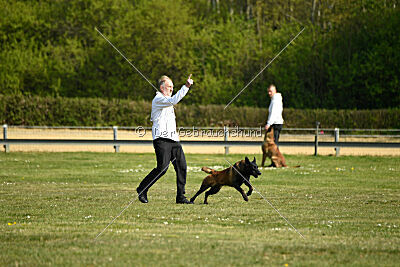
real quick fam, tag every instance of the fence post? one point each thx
(337, 148)
(115, 130)
(6, 146)
(316, 138)
(226, 134)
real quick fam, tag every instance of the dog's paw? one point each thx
(249, 193)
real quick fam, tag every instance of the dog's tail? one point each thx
(207, 170)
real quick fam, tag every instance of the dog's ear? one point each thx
(254, 160)
(247, 160)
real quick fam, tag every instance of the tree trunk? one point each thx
(313, 11)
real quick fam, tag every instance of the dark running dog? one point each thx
(229, 177)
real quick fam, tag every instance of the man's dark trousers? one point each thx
(166, 151)
(277, 132)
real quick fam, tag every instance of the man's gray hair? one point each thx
(162, 80)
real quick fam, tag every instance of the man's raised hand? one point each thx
(189, 81)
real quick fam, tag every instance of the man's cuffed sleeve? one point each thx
(166, 101)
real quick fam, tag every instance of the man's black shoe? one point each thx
(143, 196)
(183, 200)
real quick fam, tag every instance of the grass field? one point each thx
(53, 205)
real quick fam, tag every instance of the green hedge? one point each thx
(50, 111)
(347, 57)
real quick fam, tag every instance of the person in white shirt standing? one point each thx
(275, 119)
(166, 140)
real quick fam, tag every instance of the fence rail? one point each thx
(337, 144)
(191, 142)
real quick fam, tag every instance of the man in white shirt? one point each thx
(166, 140)
(275, 119)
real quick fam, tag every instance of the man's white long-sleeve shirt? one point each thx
(275, 110)
(163, 115)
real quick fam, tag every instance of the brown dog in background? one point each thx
(271, 150)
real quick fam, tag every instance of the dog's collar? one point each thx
(237, 168)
